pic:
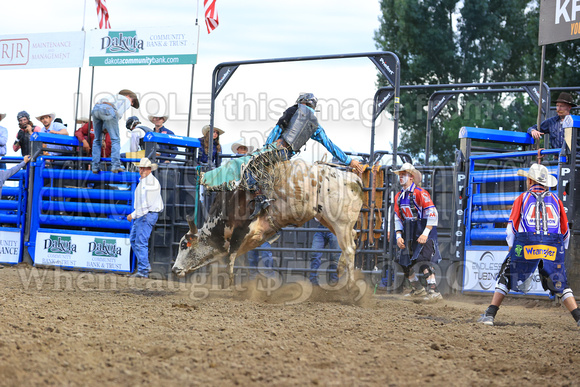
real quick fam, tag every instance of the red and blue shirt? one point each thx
(418, 205)
(523, 215)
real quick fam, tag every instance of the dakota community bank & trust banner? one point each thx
(143, 46)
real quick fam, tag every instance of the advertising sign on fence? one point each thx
(9, 246)
(143, 46)
(35, 51)
(482, 268)
(83, 251)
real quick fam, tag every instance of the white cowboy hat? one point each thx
(205, 129)
(236, 145)
(82, 120)
(408, 167)
(51, 114)
(165, 118)
(539, 173)
(2, 115)
(146, 163)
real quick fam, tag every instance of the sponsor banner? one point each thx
(9, 246)
(83, 251)
(36, 51)
(143, 46)
(559, 21)
(482, 268)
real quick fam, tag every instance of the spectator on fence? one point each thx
(50, 125)
(536, 232)
(137, 133)
(53, 127)
(26, 128)
(106, 115)
(323, 239)
(416, 233)
(240, 148)
(82, 120)
(3, 140)
(59, 120)
(148, 204)
(553, 125)
(86, 136)
(204, 147)
(159, 122)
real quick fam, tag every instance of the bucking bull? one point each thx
(301, 192)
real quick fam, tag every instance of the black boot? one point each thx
(260, 203)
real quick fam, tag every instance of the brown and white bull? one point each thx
(301, 192)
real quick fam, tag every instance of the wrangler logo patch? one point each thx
(540, 252)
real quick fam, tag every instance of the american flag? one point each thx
(103, 14)
(211, 16)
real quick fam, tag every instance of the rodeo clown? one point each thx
(537, 234)
(416, 227)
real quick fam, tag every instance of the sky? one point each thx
(254, 98)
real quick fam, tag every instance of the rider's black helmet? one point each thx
(132, 121)
(307, 99)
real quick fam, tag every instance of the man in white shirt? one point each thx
(148, 204)
(106, 115)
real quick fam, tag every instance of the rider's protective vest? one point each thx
(302, 126)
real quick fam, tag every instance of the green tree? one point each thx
(470, 41)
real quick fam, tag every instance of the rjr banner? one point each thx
(36, 51)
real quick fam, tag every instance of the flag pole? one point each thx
(80, 68)
(192, 73)
(541, 102)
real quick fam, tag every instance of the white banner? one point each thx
(83, 251)
(482, 268)
(143, 46)
(9, 246)
(36, 51)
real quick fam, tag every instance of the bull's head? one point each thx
(194, 252)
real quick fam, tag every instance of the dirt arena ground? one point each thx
(65, 328)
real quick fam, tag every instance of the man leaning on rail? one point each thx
(554, 125)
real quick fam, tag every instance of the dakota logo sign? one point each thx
(85, 250)
(104, 248)
(540, 252)
(123, 41)
(56, 244)
(143, 46)
(559, 21)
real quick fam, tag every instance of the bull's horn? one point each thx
(192, 226)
